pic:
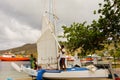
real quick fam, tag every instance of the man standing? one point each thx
(62, 57)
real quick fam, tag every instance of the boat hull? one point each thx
(78, 75)
(14, 59)
(79, 79)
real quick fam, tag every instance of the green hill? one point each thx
(25, 49)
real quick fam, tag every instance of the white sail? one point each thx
(46, 45)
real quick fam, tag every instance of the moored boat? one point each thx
(14, 59)
(9, 57)
(48, 44)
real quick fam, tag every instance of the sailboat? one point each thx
(47, 56)
(47, 47)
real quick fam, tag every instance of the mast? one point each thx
(53, 18)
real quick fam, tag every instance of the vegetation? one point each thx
(96, 36)
(78, 35)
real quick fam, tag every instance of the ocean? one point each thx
(7, 72)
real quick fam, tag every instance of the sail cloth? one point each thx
(46, 45)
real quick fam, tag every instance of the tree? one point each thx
(109, 20)
(93, 37)
(109, 23)
(80, 36)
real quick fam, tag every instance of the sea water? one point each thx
(7, 72)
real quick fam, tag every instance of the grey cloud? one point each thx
(25, 14)
(77, 10)
(20, 18)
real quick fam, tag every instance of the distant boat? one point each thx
(11, 57)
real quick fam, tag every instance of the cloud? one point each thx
(14, 33)
(20, 20)
(25, 11)
(70, 11)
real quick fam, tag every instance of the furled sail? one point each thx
(46, 45)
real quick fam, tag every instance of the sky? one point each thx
(21, 20)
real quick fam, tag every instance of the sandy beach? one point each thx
(7, 72)
(24, 79)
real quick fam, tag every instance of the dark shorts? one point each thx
(62, 61)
